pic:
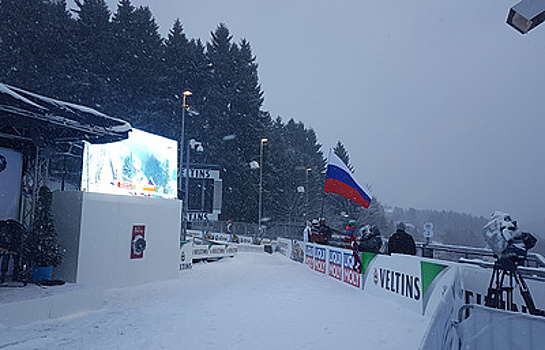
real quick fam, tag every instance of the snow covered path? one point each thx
(254, 301)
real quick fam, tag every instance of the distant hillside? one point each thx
(454, 228)
(449, 227)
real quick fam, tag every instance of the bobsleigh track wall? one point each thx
(451, 295)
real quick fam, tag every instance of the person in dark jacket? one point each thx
(325, 232)
(315, 232)
(370, 240)
(401, 242)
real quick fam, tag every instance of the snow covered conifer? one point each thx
(42, 246)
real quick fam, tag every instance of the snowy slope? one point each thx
(254, 301)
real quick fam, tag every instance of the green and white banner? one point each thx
(409, 280)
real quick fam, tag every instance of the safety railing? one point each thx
(458, 253)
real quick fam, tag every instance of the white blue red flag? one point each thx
(339, 180)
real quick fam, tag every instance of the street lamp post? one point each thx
(185, 94)
(263, 140)
(192, 144)
(306, 193)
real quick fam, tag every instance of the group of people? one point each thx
(370, 240)
(317, 231)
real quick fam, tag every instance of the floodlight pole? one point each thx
(263, 140)
(191, 144)
(306, 193)
(185, 94)
(186, 194)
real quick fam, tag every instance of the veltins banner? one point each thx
(403, 278)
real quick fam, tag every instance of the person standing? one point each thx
(307, 232)
(314, 231)
(232, 237)
(229, 227)
(350, 236)
(401, 242)
(370, 240)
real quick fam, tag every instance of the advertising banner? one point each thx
(335, 264)
(138, 241)
(395, 277)
(320, 259)
(284, 246)
(406, 279)
(341, 264)
(309, 255)
(212, 251)
(351, 268)
(11, 165)
(186, 255)
(297, 251)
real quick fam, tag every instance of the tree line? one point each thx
(118, 63)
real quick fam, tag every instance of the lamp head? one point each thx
(526, 15)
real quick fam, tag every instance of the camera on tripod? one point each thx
(508, 243)
(510, 247)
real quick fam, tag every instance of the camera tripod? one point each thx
(497, 290)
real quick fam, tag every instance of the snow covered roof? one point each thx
(26, 116)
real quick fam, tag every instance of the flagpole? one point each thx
(323, 191)
(323, 200)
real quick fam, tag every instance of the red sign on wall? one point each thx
(138, 242)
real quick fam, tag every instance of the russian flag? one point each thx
(339, 180)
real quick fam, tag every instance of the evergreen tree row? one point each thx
(119, 64)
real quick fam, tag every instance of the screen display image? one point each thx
(143, 165)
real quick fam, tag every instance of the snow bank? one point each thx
(254, 301)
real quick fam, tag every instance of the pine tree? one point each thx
(296, 161)
(186, 69)
(36, 51)
(234, 103)
(138, 66)
(95, 47)
(341, 151)
(42, 245)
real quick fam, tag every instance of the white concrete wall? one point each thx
(99, 227)
(49, 303)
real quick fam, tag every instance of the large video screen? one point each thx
(142, 165)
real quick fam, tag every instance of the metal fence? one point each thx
(294, 230)
(456, 253)
(291, 230)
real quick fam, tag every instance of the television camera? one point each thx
(510, 246)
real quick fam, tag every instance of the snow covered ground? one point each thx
(253, 301)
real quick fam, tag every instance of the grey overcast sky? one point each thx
(439, 102)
